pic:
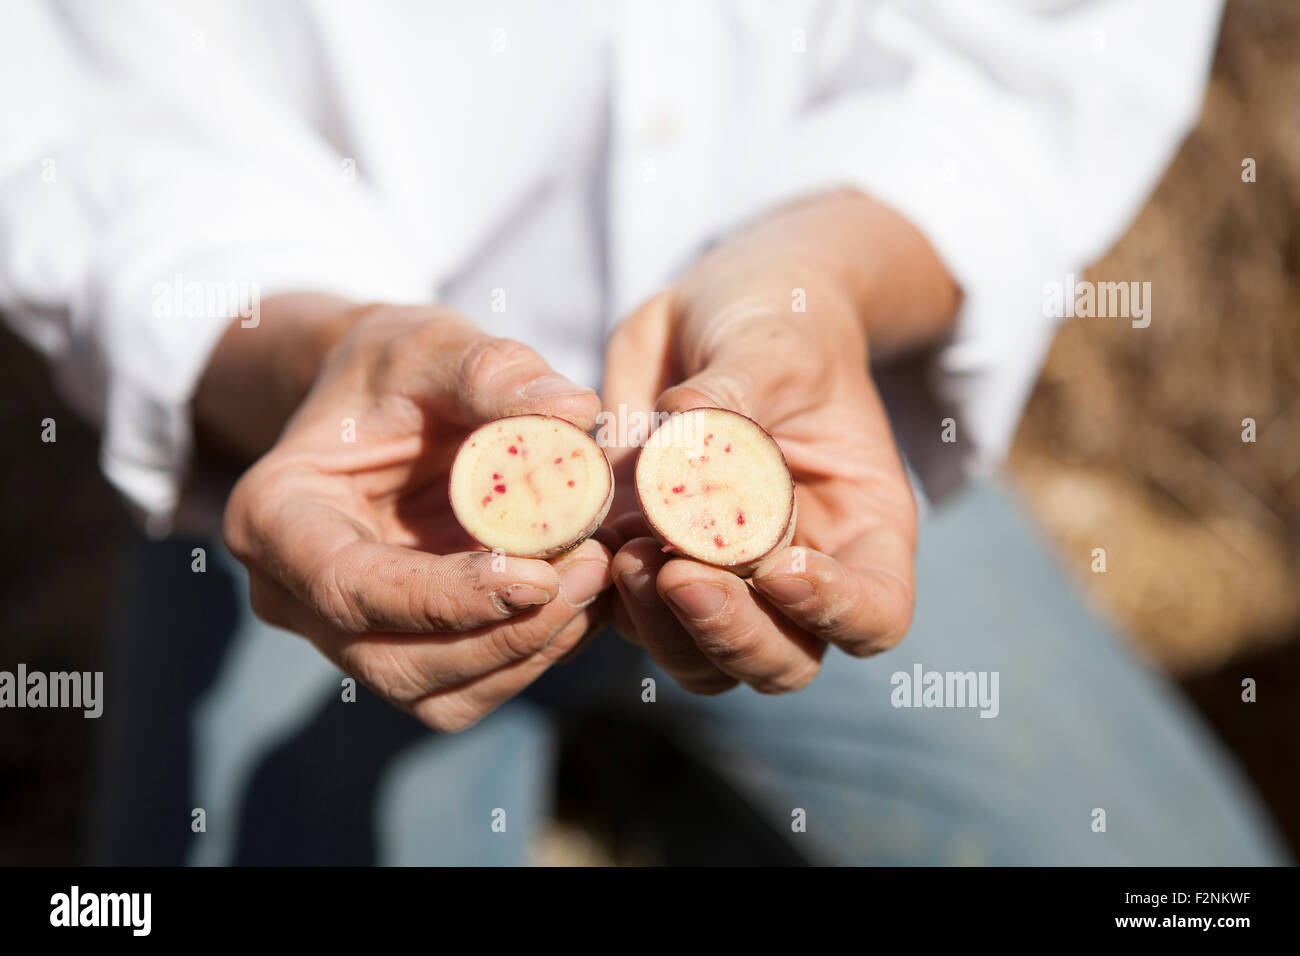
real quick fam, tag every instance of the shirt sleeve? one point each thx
(1021, 137)
(153, 189)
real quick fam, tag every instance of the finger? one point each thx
(635, 569)
(623, 528)
(764, 369)
(638, 363)
(362, 585)
(501, 377)
(355, 584)
(405, 667)
(600, 616)
(622, 622)
(607, 536)
(455, 709)
(638, 366)
(738, 632)
(439, 362)
(720, 387)
(860, 600)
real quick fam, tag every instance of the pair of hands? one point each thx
(352, 543)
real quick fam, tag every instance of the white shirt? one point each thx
(563, 160)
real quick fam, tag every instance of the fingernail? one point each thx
(639, 583)
(552, 386)
(518, 596)
(786, 590)
(581, 583)
(699, 602)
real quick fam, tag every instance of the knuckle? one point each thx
(447, 715)
(438, 605)
(899, 617)
(513, 642)
(793, 345)
(789, 340)
(730, 644)
(833, 620)
(893, 635)
(708, 686)
(394, 342)
(675, 650)
(386, 671)
(331, 601)
(234, 530)
(249, 513)
(861, 647)
(489, 359)
(362, 660)
(442, 600)
(567, 640)
(867, 621)
(789, 680)
(894, 621)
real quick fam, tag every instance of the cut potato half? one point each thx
(531, 486)
(714, 486)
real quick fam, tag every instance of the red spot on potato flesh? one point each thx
(727, 449)
(575, 453)
(740, 517)
(519, 438)
(487, 500)
(718, 542)
(559, 461)
(513, 450)
(500, 489)
(495, 476)
(570, 483)
(678, 489)
(708, 438)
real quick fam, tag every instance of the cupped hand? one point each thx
(348, 535)
(728, 336)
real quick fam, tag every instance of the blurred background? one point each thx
(1131, 442)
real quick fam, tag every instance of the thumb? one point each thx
(501, 377)
(764, 368)
(719, 386)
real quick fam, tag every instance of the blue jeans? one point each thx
(220, 712)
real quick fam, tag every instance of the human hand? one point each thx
(348, 535)
(726, 336)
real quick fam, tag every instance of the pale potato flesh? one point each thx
(715, 487)
(530, 486)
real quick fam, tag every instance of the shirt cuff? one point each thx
(162, 324)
